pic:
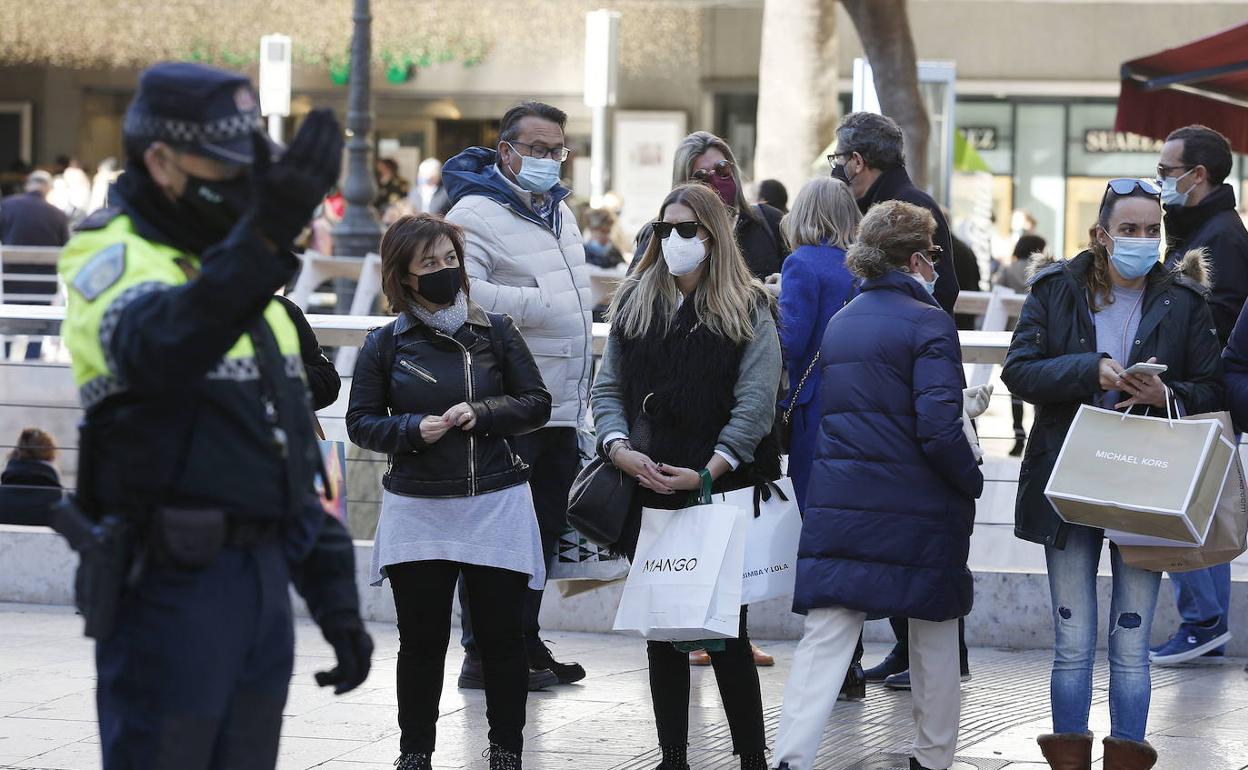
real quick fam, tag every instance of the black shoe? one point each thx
(891, 664)
(409, 761)
(674, 757)
(472, 676)
(565, 673)
(914, 764)
(502, 759)
(855, 686)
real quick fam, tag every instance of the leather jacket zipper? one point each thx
(472, 440)
(421, 373)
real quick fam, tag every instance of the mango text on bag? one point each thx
(669, 565)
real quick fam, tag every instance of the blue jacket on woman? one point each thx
(891, 500)
(814, 285)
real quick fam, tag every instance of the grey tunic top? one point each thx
(1115, 330)
(496, 529)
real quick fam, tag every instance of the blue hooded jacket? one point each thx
(475, 172)
(891, 500)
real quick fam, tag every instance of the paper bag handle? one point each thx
(1169, 414)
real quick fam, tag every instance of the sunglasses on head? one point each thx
(721, 168)
(683, 229)
(1128, 185)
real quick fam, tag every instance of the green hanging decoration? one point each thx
(399, 67)
(340, 68)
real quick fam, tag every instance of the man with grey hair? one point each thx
(27, 219)
(870, 157)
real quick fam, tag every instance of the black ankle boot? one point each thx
(410, 761)
(502, 759)
(855, 685)
(674, 758)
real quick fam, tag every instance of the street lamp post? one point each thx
(359, 232)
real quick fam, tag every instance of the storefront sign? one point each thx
(1103, 140)
(980, 137)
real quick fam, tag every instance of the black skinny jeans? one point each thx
(423, 591)
(738, 688)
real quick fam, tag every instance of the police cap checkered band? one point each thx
(201, 109)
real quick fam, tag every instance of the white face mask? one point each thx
(683, 255)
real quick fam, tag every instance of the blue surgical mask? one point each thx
(1170, 194)
(537, 175)
(926, 284)
(1134, 257)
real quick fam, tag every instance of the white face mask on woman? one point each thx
(683, 255)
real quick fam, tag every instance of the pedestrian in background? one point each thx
(1200, 214)
(891, 501)
(524, 256)
(770, 192)
(32, 462)
(599, 250)
(1014, 276)
(391, 188)
(1086, 319)
(28, 219)
(428, 196)
(443, 382)
(692, 353)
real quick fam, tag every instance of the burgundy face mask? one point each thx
(726, 186)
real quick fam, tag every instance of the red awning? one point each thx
(1205, 81)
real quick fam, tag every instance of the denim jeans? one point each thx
(1072, 584)
(1203, 594)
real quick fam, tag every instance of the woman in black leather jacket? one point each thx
(439, 390)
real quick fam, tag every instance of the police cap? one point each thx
(198, 109)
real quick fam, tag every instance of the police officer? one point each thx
(198, 444)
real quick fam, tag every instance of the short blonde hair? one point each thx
(889, 233)
(824, 211)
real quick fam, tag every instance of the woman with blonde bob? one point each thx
(690, 373)
(891, 498)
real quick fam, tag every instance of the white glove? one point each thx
(969, 431)
(975, 400)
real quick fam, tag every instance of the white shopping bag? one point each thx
(772, 533)
(685, 580)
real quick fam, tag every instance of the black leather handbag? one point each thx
(601, 496)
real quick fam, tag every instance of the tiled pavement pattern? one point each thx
(1199, 717)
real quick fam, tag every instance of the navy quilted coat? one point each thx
(892, 492)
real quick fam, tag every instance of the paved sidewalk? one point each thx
(47, 712)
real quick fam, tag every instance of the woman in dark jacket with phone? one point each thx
(439, 390)
(1086, 320)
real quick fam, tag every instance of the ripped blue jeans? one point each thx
(1072, 585)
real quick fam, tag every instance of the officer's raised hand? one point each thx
(287, 191)
(353, 648)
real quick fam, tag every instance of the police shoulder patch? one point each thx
(102, 271)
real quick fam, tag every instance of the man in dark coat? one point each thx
(27, 219)
(870, 158)
(1200, 214)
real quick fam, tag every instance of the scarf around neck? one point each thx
(447, 320)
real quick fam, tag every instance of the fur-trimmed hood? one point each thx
(1194, 268)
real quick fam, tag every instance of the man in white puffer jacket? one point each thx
(525, 258)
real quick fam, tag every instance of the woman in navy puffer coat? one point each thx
(891, 500)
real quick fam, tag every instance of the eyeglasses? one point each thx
(933, 254)
(539, 151)
(1128, 185)
(683, 229)
(721, 168)
(1163, 170)
(832, 157)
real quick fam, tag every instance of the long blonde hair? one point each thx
(727, 298)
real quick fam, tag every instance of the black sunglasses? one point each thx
(683, 229)
(1128, 185)
(722, 168)
(934, 254)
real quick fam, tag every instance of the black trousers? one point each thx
(738, 688)
(423, 591)
(901, 627)
(553, 455)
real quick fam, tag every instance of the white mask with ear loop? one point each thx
(683, 255)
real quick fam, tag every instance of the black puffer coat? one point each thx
(407, 370)
(1053, 363)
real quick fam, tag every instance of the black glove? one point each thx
(354, 649)
(287, 192)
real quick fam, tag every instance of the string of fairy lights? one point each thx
(83, 34)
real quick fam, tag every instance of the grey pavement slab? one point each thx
(1199, 718)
